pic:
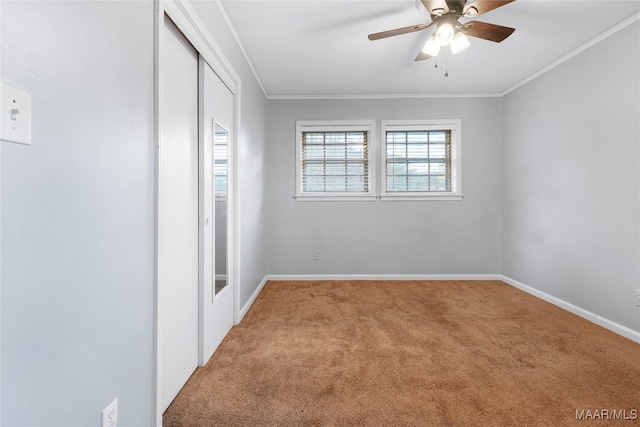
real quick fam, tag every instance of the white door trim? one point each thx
(186, 19)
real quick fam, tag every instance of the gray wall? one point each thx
(571, 180)
(251, 154)
(390, 237)
(78, 214)
(78, 209)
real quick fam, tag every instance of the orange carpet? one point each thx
(412, 353)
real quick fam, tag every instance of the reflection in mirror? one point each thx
(220, 141)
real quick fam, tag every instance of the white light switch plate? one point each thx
(15, 123)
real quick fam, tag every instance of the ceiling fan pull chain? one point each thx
(446, 63)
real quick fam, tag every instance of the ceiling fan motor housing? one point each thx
(455, 7)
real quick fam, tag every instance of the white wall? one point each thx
(251, 153)
(571, 180)
(399, 237)
(78, 214)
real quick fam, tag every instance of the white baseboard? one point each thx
(245, 308)
(585, 314)
(305, 277)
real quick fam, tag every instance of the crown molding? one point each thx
(386, 96)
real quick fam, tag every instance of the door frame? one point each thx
(188, 22)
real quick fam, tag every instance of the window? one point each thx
(220, 141)
(421, 159)
(333, 160)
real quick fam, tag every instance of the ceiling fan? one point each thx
(445, 15)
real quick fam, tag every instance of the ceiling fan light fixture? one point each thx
(459, 43)
(431, 47)
(444, 34)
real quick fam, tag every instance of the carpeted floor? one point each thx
(408, 353)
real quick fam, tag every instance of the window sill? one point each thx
(420, 197)
(334, 198)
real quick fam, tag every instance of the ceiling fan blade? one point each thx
(422, 56)
(436, 7)
(479, 7)
(398, 31)
(483, 30)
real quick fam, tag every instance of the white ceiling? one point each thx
(319, 48)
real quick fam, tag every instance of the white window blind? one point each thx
(335, 162)
(421, 159)
(418, 161)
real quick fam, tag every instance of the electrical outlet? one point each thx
(638, 297)
(110, 414)
(317, 255)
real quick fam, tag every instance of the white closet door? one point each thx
(178, 213)
(217, 301)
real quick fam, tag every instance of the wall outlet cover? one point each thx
(110, 415)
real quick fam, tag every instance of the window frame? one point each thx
(368, 126)
(452, 125)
